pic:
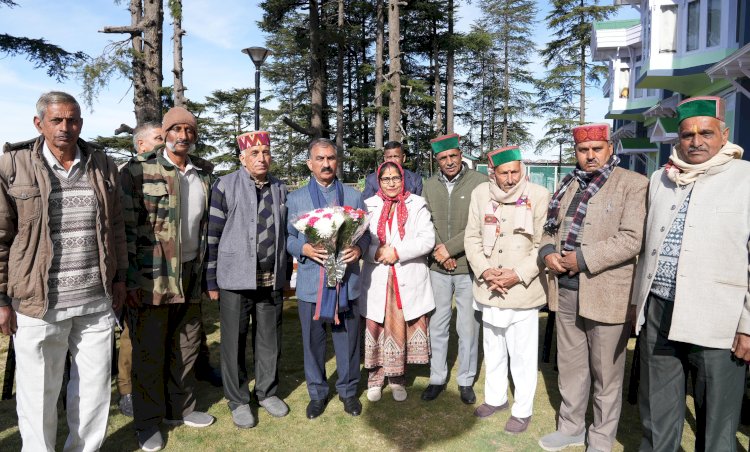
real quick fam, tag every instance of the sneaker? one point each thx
(150, 440)
(195, 419)
(126, 405)
(274, 406)
(559, 441)
(517, 424)
(374, 393)
(243, 417)
(486, 410)
(399, 392)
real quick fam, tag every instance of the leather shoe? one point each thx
(316, 407)
(467, 395)
(432, 391)
(352, 405)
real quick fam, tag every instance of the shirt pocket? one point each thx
(156, 204)
(28, 202)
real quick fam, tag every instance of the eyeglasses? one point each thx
(390, 180)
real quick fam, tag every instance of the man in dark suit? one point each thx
(247, 208)
(324, 190)
(393, 152)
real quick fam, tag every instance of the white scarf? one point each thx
(682, 173)
(523, 219)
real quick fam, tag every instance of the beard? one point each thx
(170, 146)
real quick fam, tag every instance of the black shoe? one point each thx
(316, 407)
(352, 405)
(432, 391)
(209, 374)
(467, 395)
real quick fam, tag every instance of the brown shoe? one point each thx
(484, 410)
(517, 425)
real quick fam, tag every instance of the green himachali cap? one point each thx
(701, 106)
(504, 155)
(444, 143)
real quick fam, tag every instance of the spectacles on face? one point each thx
(390, 180)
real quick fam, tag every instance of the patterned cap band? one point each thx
(701, 106)
(444, 143)
(504, 155)
(250, 139)
(591, 132)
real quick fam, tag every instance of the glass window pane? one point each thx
(668, 38)
(693, 24)
(713, 30)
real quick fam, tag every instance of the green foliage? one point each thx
(120, 148)
(96, 73)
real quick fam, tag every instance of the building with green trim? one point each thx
(676, 50)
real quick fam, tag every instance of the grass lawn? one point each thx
(444, 424)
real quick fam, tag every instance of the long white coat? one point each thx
(411, 270)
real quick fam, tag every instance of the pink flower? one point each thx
(311, 222)
(328, 215)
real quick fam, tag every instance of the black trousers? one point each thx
(718, 387)
(236, 309)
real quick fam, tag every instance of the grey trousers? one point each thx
(718, 387)
(467, 325)
(236, 309)
(588, 350)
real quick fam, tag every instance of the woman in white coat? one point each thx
(396, 290)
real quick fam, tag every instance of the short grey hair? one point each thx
(324, 142)
(143, 128)
(54, 97)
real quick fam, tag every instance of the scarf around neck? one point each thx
(682, 173)
(523, 215)
(591, 183)
(401, 211)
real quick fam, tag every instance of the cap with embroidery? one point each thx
(444, 143)
(701, 106)
(504, 155)
(250, 139)
(591, 132)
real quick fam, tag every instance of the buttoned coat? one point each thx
(411, 269)
(612, 238)
(512, 249)
(712, 297)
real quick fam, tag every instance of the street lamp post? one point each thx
(560, 141)
(258, 55)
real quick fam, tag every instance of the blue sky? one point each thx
(212, 57)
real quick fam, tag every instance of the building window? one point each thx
(713, 29)
(668, 35)
(637, 92)
(624, 82)
(693, 24)
(739, 19)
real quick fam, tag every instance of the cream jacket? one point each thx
(512, 250)
(712, 298)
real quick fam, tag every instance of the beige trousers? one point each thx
(586, 351)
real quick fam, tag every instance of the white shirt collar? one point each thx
(56, 165)
(188, 164)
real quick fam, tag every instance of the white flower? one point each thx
(326, 228)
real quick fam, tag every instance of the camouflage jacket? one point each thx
(151, 203)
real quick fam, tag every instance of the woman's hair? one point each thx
(387, 165)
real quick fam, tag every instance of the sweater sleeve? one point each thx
(217, 217)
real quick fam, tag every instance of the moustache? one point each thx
(326, 170)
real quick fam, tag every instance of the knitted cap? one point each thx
(250, 139)
(444, 143)
(591, 132)
(504, 155)
(701, 106)
(178, 115)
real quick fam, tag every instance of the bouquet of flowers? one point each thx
(336, 228)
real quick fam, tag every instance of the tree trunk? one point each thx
(506, 87)
(436, 81)
(582, 62)
(179, 88)
(316, 73)
(449, 73)
(146, 19)
(379, 38)
(340, 93)
(394, 55)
